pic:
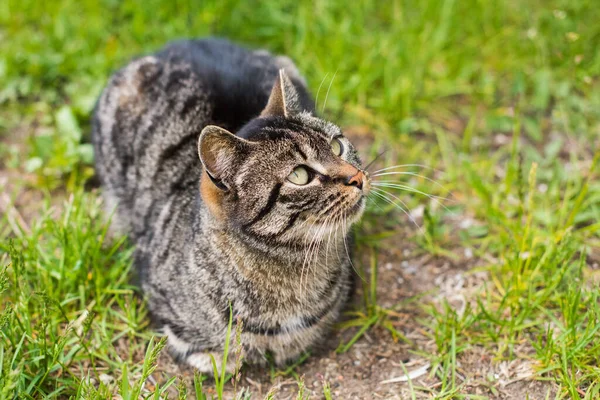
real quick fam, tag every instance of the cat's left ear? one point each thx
(221, 152)
(284, 100)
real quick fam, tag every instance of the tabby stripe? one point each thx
(290, 223)
(332, 205)
(174, 150)
(146, 222)
(284, 199)
(306, 205)
(299, 150)
(190, 103)
(121, 150)
(300, 127)
(175, 78)
(184, 182)
(270, 204)
(307, 322)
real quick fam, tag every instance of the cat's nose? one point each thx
(356, 180)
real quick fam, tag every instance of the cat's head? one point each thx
(285, 176)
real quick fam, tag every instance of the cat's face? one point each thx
(285, 176)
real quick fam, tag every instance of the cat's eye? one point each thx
(299, 176)
(337, 147)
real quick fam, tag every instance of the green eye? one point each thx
(299, 176)
(337, 147)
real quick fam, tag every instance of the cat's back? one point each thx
(238, 80)
(148, 119)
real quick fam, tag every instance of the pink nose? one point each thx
(356, 180)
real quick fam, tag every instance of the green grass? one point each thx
(499, 98)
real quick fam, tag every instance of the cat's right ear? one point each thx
(284, 99)
(220, 152)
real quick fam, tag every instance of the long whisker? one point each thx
(375, 159)
(324, 226)
(316, 218)
(319, 91)
(327, 95)
(383, 195)
(328, 240)
(414, 174)
(395, 185)
(346, 233)
(307, 251)
(436, 199)
(316, 253)
(374, 202)
(405, 166)
(335, 240)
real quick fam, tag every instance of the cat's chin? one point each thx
(356, 212)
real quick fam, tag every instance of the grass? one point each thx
(500, 99)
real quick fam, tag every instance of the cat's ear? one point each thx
(220, 152)
(284, 100)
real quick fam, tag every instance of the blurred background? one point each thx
(497, 101)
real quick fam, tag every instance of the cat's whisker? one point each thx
(307, 262)
(319, 91)
(394, 185)
(412, 174)
(327, 249)
(320, 230)
(297, 228)
(315, 253)
(373, 160)
(328, 89)
(383, 195)
(405, 188)
(314, 250)
(337, 226)
(316, 218)
(373, 198)
(307, 251)
(320, 242)
(405, 166)
(328, 239)
(346, 244)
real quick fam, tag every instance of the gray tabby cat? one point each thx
(257, 218)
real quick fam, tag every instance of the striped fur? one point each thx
(212, 215)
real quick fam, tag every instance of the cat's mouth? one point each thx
(358, 207)
(337, 221)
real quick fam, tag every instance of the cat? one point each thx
(236, 197)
